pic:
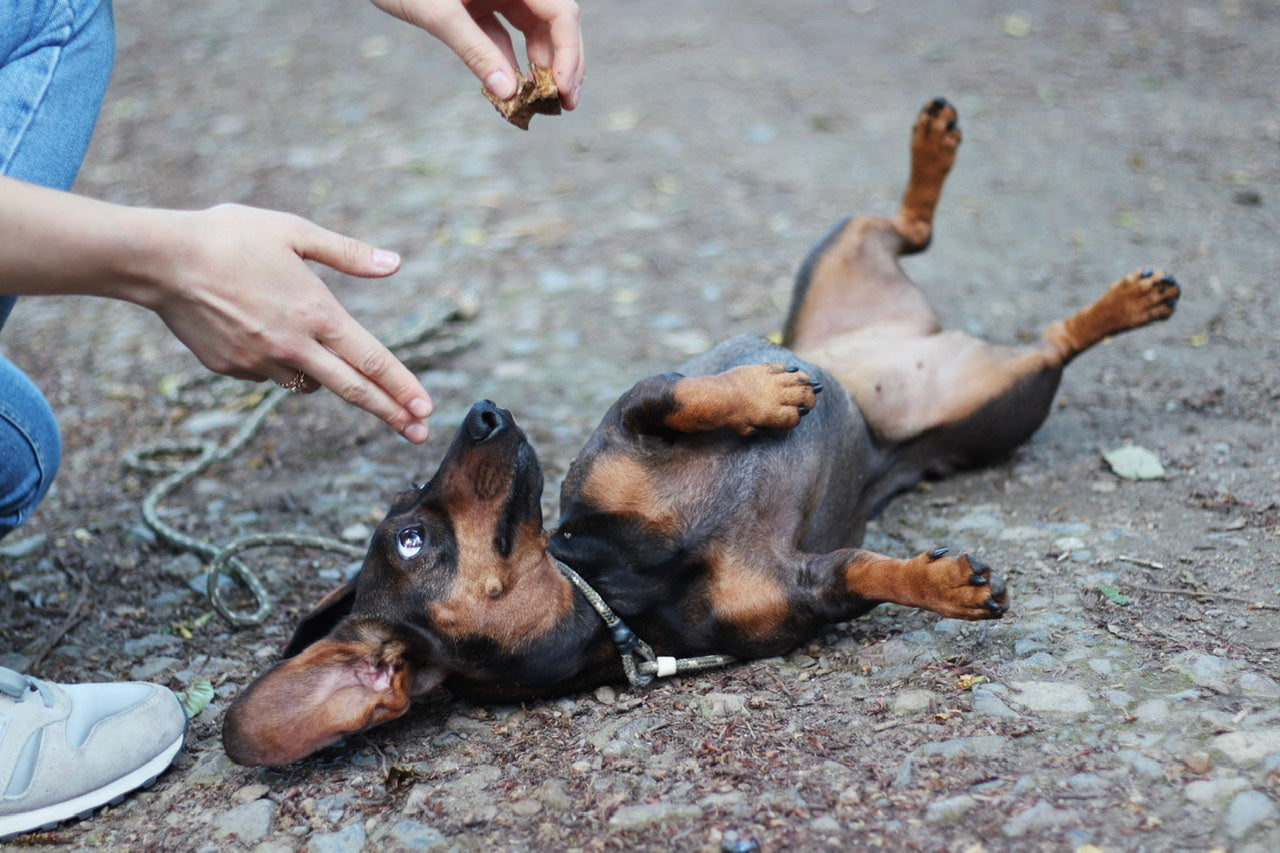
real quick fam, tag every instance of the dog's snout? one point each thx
(485, 420)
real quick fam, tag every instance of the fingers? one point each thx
(358, 368)
(553, 38)
(344, 254)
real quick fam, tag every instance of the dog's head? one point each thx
(456, 574)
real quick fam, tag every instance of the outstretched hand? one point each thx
(473, 30)
(243, 299)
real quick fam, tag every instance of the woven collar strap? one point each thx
(639, 673)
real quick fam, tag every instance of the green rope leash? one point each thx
(224, 559)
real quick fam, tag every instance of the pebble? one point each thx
(644, 815)
(248, 822)
(349, 839)
(1248, 809)
(410, 835)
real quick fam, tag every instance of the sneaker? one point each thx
(67, 749)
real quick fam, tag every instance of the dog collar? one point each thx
(639, 673)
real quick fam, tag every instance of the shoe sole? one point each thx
(86, 804)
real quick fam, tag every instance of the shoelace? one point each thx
(16, 686)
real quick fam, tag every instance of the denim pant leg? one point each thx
(55, 61)
(30, 448)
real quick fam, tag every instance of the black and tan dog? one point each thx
(716, 509)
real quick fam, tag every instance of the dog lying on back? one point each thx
(717, 509)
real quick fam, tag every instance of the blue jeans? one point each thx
(55, 60)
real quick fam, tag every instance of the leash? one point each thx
(629, 645)
(223, 559)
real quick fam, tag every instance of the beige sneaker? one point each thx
(67, 749)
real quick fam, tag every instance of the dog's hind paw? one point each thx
(965, 587)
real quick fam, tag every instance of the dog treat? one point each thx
(535, 95)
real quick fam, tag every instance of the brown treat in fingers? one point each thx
(535, 95)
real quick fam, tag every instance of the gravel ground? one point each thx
(1129, 701)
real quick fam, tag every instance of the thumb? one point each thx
(347, 255)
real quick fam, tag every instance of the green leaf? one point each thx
(196, 697)
(1113, 594)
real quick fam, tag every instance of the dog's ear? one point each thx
(323, 618)
(330, 689)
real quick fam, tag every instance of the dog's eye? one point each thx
(409, 542)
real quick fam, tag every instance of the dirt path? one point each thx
(715, 142)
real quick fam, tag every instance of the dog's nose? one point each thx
(485, 420)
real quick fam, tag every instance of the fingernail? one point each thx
(385, 261)
(420, 408)
(415, 432)
(500, 84)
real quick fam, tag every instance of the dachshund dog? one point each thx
(717, 509)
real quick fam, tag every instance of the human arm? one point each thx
(472, 29)
(231, 282)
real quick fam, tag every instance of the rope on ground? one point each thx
(438, 321)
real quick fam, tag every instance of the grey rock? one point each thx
(950, 810)
(405, 834)
(1247, 811)
(248, 822)
(648, 814)
(349, 839)
(1038, 818)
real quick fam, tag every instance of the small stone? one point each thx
(410, 835)
(1197, 762)
(1152, 711)
(915, 702)
(1209, 792)
(247, 822)
(249, 793)
(721, 704)
(1051, 697)
(1254, 684)
(1042, 816)
(606, 695)
(349, 839)
(1247, 810)
(525, 808)
(1248, 747)
(648, 814)
(986, 700)
(950, 810)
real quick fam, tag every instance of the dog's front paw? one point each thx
(774, 396)
(965, 587)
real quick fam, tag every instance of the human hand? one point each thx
(472, 29)
(242, 298)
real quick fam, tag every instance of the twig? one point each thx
(1195, 593)
(1138, 561)
(76, 615)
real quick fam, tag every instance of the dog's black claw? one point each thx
(803, 410)
(938, 104)
(816, 385)
(1147, 272)
(791, 368)
(951, 124)
(938, 553)
(994, 607)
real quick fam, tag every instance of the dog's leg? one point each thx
(1141, 297)
(956, 587)
(851, 280)
(744, 399)
(951, 400)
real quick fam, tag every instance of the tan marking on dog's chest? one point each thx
(622, 485)
(742, 595)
